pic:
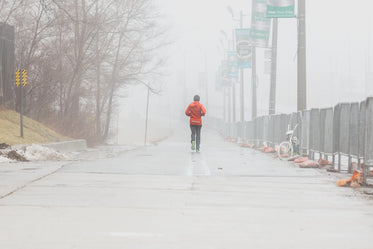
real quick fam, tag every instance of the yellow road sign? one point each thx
(24, 77)
(18, 78)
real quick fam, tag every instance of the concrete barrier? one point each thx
(68, 146)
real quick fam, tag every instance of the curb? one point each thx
(68, 146)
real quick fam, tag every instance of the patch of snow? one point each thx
(37, 152)
(5, 160)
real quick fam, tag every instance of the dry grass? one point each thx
(33, 131)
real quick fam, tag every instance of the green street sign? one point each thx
(260, 34)
(280, 8)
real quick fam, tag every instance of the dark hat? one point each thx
(196, 98)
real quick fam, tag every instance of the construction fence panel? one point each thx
(244, 130)
(256, 125)
(368, 158)
(249, 135)
(257, 129)
(240, 130)
(322, 129)
(231, 127)
(315, 130)
(326, 130)
(298, 124)
(281, 127)
(271, 129)
(354, 130)
(362, 136)
(273, 124)
(286, 119)
(261, 129)
(265, 128)
(344, 138)
(305, 130)
(336, 127)
(224, 129)
(235, 130)
(293, 120)
(277, 129)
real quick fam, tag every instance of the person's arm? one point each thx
(187, 111)
(203, 110)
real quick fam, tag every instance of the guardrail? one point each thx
(344, 133)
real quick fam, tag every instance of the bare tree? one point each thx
(79, 53)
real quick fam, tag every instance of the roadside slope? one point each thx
(33, 131)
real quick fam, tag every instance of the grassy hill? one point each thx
(33, 131)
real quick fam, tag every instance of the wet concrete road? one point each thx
(166, 197)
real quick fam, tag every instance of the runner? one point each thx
(195, 111)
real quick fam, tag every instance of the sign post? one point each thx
(243, 47)
(21, 85)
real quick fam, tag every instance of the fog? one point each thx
(338, 63)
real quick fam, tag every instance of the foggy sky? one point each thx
(338, 51)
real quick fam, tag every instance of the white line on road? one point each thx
(198, 165)
(133, 234)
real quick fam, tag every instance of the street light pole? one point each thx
(146, 117)
(224, 105)
(233, 86)
(302, 83)
(253, 85)
(229, 104)
(272, 92)
(228, 88)
(242, 80)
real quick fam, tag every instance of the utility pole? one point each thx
(233, 85)
(21, 112)
(302, 83)
(272, 92)
(234, 101)
(206, 83)
(253, 85)
(224, 105)
(146, 116)
(229, 104)
(242, 80)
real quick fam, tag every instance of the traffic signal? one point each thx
(24, 77)
(18, 78)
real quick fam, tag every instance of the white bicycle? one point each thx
(290, 147)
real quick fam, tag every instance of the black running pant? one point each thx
(196, 134)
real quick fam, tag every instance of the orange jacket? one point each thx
(195, 111)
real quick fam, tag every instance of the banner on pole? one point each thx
(232, 64)
(243, 47)
(280, 8)
(260, 24)
(222, 74)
